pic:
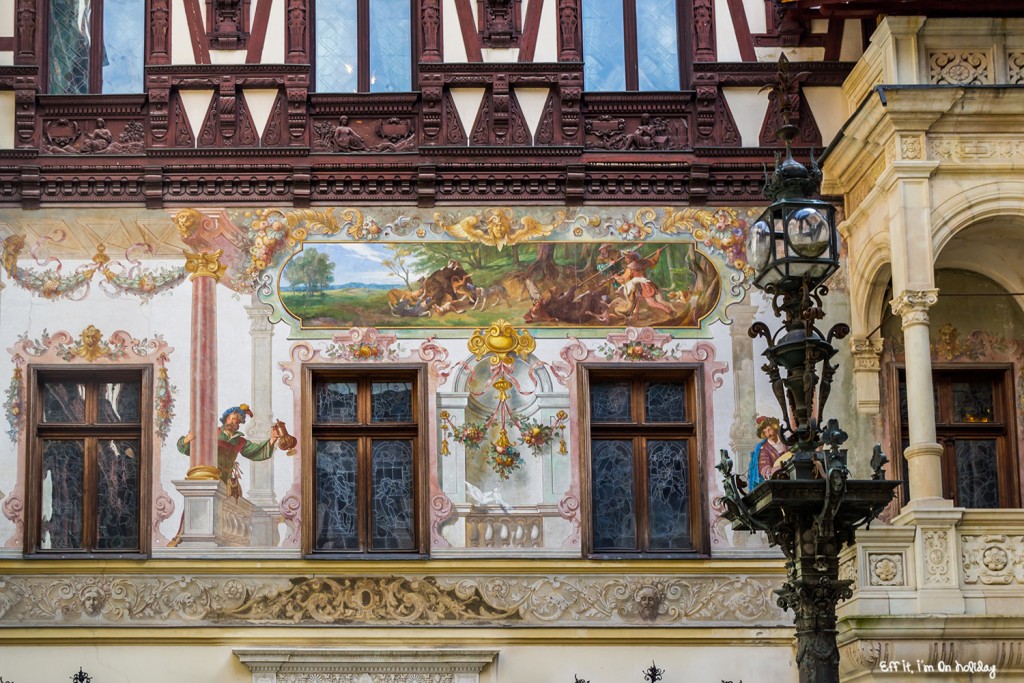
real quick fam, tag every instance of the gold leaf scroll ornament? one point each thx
(494, 228)
(502, 342)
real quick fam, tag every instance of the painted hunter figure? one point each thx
(767, 458)
(231, 443)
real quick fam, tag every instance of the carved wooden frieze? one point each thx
(71, 136)
(364, 134)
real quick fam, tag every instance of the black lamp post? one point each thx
(811, 508)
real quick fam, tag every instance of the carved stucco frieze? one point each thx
(41, 600)
(1015, 66)
(958, 149)
(912, 305)
(936, 558)
(911, 147)
(959, 67)
(993, 559)
(887, 569)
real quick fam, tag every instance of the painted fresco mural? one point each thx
(500, 305)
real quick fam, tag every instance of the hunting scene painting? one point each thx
(330, 285)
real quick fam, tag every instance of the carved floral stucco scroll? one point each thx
(572, 601)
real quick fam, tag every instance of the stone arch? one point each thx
(1002, 198)
(870, 272)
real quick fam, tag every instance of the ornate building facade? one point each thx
(398, 339)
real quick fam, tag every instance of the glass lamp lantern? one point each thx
(794, 240)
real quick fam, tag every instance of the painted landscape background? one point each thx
(544, 284)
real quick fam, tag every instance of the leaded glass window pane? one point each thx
(657, 35)
(64, 402)
(977, 473)
(392, 524)
(668, 498)
(117, 491)
(609, 402)
(390, 46)
(123, 41)
(665, 402)
(614, 519)
(604, 49)
(337, 46)
(337, 509)
(973, 402)
(336, 402)
(120, 402)
(62, 491)
(70, 39)
(391, 402)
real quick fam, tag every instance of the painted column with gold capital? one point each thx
(924, 454)
(206, 271)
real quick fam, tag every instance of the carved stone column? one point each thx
(261, 474)
(742, 435)
(924, 455)
(206, 271)
(867, 365)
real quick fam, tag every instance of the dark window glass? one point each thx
(63, 486)
(365, 472)
(88, 461)
(642, 463)
(337, 511)
(609, 402)
(978, 459)
(612, 494)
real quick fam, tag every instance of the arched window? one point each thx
(364, 46)
(631, 45)
(95, 46)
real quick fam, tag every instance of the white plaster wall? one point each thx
(748, 106)
(181, 40)
(7, 119)
(828, 104)
(274, 45)
(757, 20)
(228, 56)
(546, 49)
(6, 18)
(727, 44)
(853, 41)
(454, 47)
(555, 663)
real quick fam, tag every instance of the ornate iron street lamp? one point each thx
(811, 508)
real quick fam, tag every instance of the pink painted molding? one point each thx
(365, 346)
(89, 349)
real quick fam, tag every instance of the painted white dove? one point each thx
(492, 497)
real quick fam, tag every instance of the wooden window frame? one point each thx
(90, 432)
(1003, 431)
(364, 432)
(692, 429)
(631, 58)
(363, 47)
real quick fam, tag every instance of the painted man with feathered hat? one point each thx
(231, 443)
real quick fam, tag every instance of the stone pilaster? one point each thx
(742, 436)
(867, 365)
(261, 474)
(924, 455)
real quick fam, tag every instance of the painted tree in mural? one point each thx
(314, 270)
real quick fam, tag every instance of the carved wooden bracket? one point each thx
(499, 22)
(227, 24)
